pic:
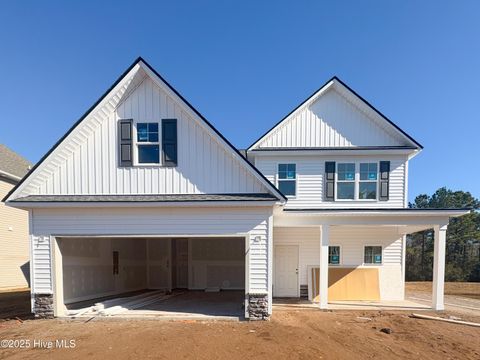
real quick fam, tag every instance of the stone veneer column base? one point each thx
(43, 306)
(258, 307)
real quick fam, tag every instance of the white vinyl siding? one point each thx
(152, 221)
(310, 172)
(351, 240)
(331, 121)
(87, 162)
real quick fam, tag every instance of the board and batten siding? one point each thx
(330, 121)
(253, 222)
(88, 164)
(352, 240)
(310, 180)
(14, 248)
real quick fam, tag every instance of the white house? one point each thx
(145, 184)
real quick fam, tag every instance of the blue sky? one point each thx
(246, 64)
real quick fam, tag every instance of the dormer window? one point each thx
(148, 146)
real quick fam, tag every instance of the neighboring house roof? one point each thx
(147, 198)
(139, 62)
(339, 85)
(13, 165)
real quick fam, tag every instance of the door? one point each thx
(286, 271)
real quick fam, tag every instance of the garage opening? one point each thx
(164, 277)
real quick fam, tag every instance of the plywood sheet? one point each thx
(348, 284)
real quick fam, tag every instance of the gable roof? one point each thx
(13, 165)
(336, 82)
(140, 62)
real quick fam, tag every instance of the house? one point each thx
(144, 193)
(14, 240)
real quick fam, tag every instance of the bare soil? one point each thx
(291, 334)
(464, 289)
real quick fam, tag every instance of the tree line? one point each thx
(462, 261)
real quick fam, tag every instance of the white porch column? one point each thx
(439, 266)
(323, 274)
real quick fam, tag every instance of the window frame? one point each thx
(340, 258)
(277, 177)
(381, 254)
(356, 194)
(337, 181)
(137, 143)
(376, 181)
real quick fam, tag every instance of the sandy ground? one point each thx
(463, 289)
(463, 298)
(300, 334)
(291, 334)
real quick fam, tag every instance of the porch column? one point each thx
(323, 273)
(439, 266)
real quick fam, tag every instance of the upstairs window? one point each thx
(346, 181)
(368, 181)
(148, 146)
(287, 179)
(373, 255)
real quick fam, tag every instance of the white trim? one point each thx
(356, 181)
(105, 102)
(136, 143)
(354, 100)
(34, 204)
(205, 126)
(277, 179)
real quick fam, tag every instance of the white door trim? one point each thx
(296, 255)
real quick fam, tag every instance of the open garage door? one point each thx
(188, 274)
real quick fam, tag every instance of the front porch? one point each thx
(353, 258)
(393, 305)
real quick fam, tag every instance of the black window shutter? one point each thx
(125, 142)
(330, 180)
(384, 180)
(169, 142)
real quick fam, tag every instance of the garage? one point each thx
(158, 276)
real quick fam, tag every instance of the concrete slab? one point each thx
(352, 305)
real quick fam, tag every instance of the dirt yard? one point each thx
(299, 334)
(291, 334)
(464, 289)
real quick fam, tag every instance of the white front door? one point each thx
(286, 271)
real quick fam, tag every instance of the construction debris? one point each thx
(120, 305)
(426, 317)
(386, 330)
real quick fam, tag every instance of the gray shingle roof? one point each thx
(147, 198)
(12, 163)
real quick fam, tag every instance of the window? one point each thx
(373, 255)
(334, 255)
(346, 181)
(148, 145)
(287, 179)
(367, 188)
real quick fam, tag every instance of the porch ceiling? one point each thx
(406, 220)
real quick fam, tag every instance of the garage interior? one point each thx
(169, 277)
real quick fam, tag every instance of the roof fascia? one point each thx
(100, 102)
(195, 114)
(312, 98)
